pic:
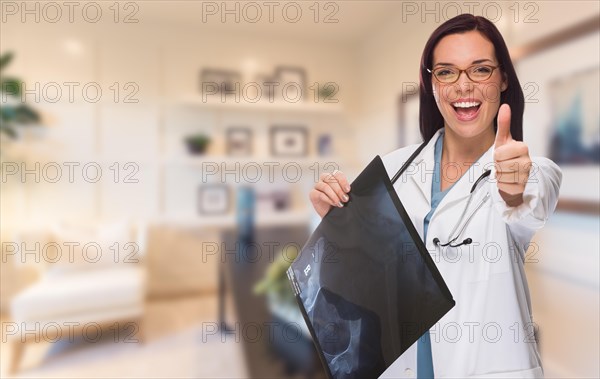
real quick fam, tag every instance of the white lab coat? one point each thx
(489, 332)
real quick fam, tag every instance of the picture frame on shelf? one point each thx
(324, 145)
(214, 199)
(285, 75)
(289, 141)
(282, 201)
(238, 141)
(225, 80)
(266, 83)
(276, 200)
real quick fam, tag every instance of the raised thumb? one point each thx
(503, 133)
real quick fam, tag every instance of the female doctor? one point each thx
(476, 198)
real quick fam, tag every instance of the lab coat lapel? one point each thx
(421, 170)
(462, 188)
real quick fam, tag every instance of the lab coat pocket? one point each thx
(489, 253)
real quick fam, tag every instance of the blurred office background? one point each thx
(130, 181)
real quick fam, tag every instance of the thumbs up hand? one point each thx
(511, 159)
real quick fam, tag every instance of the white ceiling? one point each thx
(355, 18)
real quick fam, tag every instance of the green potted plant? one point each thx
(275, 283)
(13, 112)
(197, 143)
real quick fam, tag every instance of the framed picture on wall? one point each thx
(562, 119)
(575, 130)
(238, 141)
(289, 141)
(213, 199)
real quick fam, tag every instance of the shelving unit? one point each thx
(264, 219)
(198, 161)
(305, 107)
(180, 171)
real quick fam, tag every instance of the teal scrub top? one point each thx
(424, 358)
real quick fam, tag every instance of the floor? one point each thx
(178, 345)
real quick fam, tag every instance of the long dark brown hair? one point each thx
(430, 118)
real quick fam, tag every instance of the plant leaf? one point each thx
(7, 113)
(26, 115)
(8, 130)
(11, 86)
(5, 59)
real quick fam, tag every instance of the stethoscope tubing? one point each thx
(460, 220)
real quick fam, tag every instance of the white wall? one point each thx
(389, 60)
(165, 64)
(564, 278)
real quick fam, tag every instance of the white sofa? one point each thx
(80, 291)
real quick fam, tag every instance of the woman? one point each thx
(475, 226)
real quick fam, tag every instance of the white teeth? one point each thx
(466, 104)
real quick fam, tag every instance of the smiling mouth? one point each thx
(466, 111)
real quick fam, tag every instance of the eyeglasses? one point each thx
(450, 74)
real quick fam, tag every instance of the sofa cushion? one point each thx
(80, 247)
(87, 291)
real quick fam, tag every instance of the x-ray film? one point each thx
(364, 281)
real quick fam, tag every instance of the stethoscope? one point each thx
(466, 241)
(454, 233)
